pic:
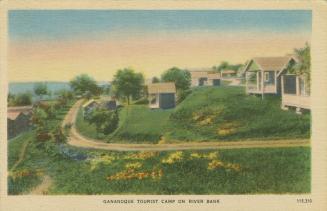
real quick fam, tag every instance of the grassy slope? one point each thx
(36, 160)
(15, 145)
(86, 129)
(138, 123)
(226, 113)
(208, 114)
(280, 170)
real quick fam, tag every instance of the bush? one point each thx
(22, 99)
(59, 135)
(112, 122)
(182, 94)
(105, 121)
(23, 180)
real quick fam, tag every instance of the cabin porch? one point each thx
(295, 93)
(261, 82)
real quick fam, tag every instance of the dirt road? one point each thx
(76, 139)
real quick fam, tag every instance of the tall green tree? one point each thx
(303, 64)
(22, 99)
(155, 80)
(40, 89)
(84, 85)
(181, 78)
(225, 65)
(105, 121)
(10, 99)
(128, 84)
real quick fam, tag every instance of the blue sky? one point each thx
(69, 24)
(59, 44)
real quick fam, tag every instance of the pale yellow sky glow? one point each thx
(150, 54)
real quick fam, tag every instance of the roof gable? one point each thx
(199, 74)
(168, 87)
(268, 63)
(272, 63)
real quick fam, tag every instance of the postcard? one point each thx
(163, 105)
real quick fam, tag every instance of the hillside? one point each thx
(208, 114)
(227, 113)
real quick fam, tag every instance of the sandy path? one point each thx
(42, 189)
(76, 139)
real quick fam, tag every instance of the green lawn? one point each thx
(140, 124)
(137, 124)
(207, 114)
(86, 129)
(227, 113)
(82, 171)
(36, 159)
(237, 171)
(15, 145)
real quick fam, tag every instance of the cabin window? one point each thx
(202, 81)
(266, 77)
(289, 84)
(269, 78)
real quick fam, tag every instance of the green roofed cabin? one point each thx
(263, 74)
(162, 95)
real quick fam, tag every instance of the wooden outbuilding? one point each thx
(18, 120)
(162, 95)
(205, 78)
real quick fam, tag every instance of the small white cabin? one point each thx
(162, 95)
(263, 74)
(204, 78)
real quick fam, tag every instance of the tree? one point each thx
(39, 117)
(181, 78)
(10, 99)
(83, 84)
(63, 97)
(128, 84)
(225, 65)
(40, 89)
(105, 121)
(22, 99)
(303, 65)
(155, 80)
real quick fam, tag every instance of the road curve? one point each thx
(76, 139)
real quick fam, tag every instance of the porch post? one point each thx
(258, 81)
(282, 93)
(282, 83)
(246, 82)
(275, 82)
(262, 85)
(297, 85)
